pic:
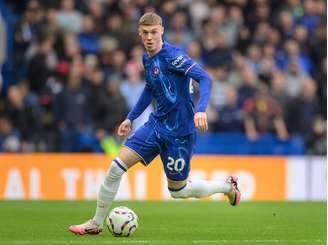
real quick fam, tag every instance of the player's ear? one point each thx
(139, 31)
(162, 30)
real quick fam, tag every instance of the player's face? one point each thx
(151, 37)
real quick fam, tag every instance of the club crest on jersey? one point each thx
(156, 70)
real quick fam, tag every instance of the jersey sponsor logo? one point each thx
(156, 70)
(178, 61)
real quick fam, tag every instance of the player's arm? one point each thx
(205, 86)
(143, 102)
(185, 65)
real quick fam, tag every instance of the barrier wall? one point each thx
(78, 176)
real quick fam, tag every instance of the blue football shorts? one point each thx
(175, 152)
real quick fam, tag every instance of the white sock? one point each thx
(109, 189)
(201, 188)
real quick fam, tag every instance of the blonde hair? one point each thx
(150, 19)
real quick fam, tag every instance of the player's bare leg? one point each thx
(126, 159)
(204, 188)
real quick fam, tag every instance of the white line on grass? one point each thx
(119, 241)
(257, 241)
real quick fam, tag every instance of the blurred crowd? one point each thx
(78, 69)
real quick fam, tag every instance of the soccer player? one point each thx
(170, 130)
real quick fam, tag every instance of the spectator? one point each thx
(95, 84)
(253, 57)
(167, 10)
(234, 22)
(279, 91)
(295, 8)
(208, 35)
(262, 11)
(311, 16)
(10, 140)
(24, 34)
(219, 86)
(88, 38)
(136, 58)
(243, 39)
(316, 141)
(220, 54)
(97, 10)
(50, 24)
(294, 78)
(230, 115)
(194, 50)
(69, 51)
(227, 22)
(199, 11)
(274, 37)
(131, 89)
(292, 53)
(68, 18)
(42, 66)
(72, 109)
(115, 29)
(318, 43)
(248, 88)
(321, 80)
(263, 114)
(301, 37)
(112, 108)
(261, 33)
(22, 116)
(90, 63)
(303, 109)
(179, 33)
(286, 24)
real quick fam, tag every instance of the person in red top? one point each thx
(263, 114)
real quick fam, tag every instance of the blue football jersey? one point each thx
(168, 81)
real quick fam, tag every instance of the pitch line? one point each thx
(119, 241)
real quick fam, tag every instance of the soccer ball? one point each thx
(122, 221)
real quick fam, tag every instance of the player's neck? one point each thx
(153, 53)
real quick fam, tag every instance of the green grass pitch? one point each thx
(172, 222)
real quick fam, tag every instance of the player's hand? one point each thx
(200, 120)
(251, 135)
(125, 128)
(283, 135)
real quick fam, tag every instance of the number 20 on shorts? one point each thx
(176, 165)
